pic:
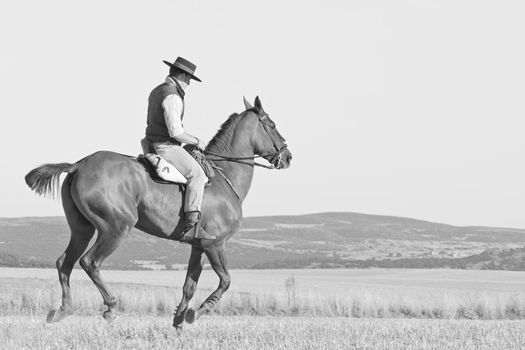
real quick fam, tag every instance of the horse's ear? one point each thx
(247, 104)
(257, 104)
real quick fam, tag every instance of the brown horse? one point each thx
(113, 193)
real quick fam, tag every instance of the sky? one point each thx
(404, 108)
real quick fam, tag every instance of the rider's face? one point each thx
(185, 78)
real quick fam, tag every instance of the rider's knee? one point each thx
(198, 176)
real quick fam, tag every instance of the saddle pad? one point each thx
(165, 170)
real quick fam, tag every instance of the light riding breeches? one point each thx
(190, 169)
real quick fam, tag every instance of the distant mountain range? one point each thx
(323, 240)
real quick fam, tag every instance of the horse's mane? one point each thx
(224, 130)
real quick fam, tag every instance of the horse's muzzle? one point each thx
(283, 160)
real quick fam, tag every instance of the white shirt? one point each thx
(173, 107)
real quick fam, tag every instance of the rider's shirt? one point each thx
(165, 112)
(173, 109)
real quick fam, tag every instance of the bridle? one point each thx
(276, 157)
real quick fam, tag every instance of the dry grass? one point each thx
(395, 317)
(37, 297)
(244, 332)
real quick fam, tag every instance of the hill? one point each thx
(313, 240)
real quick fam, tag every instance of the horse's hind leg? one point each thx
(81, 233)
(106, 243)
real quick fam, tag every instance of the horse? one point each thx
(112, 193)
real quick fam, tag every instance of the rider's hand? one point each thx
(201, 144)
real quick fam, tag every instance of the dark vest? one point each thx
(157, 131)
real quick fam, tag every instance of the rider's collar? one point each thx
(171, 80)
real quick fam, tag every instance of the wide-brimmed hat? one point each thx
(185, 65)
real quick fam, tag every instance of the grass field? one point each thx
(245, 332)
(322, 280)
(274, 309)
(441, 294)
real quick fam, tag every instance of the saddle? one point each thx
(162, 171)
(152, 171)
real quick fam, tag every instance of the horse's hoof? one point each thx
(57, 315)
(190, 315)
(109, 316)
(51, 317)
(178, 320)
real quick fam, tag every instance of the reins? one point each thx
(219, 169)
(223, 158)
(240, 161)
(234, 160)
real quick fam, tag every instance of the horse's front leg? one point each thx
(192, 277)
(217, 258)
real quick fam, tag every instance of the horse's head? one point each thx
(267, 141)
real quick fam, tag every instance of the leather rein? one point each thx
(240, 159)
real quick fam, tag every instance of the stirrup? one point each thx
(196, 232)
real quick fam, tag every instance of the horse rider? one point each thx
(166, 132)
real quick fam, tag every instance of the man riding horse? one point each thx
(166, 133)
(111, 193)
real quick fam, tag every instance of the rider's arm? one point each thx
(173, 106)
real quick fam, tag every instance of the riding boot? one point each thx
(192, 229)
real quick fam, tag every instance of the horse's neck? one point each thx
(239, 174)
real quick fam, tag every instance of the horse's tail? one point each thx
(45, 180)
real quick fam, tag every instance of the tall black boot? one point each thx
(192, 229)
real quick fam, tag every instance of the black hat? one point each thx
(184, 65)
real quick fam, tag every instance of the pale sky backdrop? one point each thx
(407, 108)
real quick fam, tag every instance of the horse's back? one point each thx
(109, 184)
(113, 185)
(110, 171)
